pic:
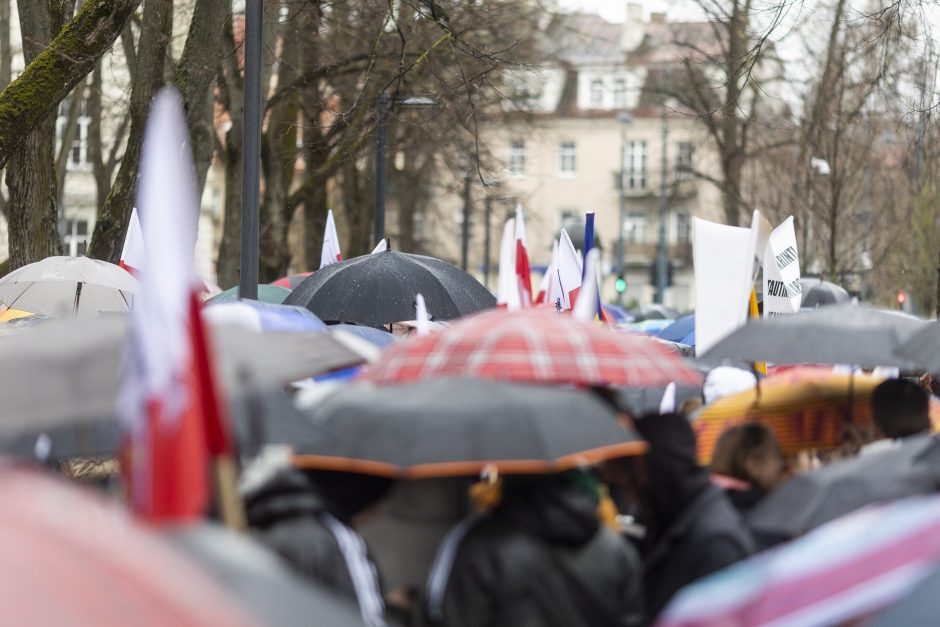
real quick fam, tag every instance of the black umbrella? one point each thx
(817, 293)
(923, 348)
(380, 289)
(813, 498)
(456, 427)
(840, 334)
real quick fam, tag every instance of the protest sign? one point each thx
(782, 289)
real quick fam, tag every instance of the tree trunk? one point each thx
(316, 149)
(358, 214)
(195, 77)
(33, 210)
(6, 73)
(111, 224)
(231, 93)
(54, 73)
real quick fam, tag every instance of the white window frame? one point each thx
(567, 158)
(634, 227)
(683, 227)
(636, 164)
(685, 153)
(620, 93)
(72, 240)
(516, 157)
(596, 93)
(78, 151)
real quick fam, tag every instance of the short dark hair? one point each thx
(900, 408)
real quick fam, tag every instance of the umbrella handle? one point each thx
(78, 297)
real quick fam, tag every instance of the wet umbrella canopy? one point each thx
(380, 289)
(457, 427)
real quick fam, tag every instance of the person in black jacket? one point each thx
(692, 528)
(305, 517)
(540, 558)
(747, 463)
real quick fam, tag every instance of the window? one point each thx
(620, 93)
(76, 237)
(516, 158)
(683, 227)
(636, 165)
(571, 220)
(567, 157)
(634, 228)
(78, 153)
(597, 93)
(684, 160)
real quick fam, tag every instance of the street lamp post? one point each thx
(382, 106)
(487, 240)
(465, 225)
(251, 168)
(625, 119)
(661, 260)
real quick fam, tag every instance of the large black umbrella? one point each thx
(813, 498)
(840, 334)
(817, 293)
(456, 427)
(380, 289)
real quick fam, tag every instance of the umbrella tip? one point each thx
(388, 244)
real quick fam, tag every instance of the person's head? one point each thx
(900, 408)
(749, 452)
(352, 492)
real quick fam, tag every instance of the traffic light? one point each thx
(902, 298)
(621, 284)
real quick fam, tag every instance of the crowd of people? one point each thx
(610, 544)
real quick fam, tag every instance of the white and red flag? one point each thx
(547, 277)
(507, 291)
(565, 281)
(523, 272)
(171, 418)
(132, 255)
(330, 252)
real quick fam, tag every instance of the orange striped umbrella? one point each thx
(12, 314)
(806, 407)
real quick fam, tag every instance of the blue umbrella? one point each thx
(265, 316)
(680, 329)
(370, 334)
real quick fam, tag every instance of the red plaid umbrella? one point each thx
(292, 280)
(534, 346)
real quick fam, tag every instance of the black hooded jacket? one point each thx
(541, 559)
(696, 530)
(286, 514)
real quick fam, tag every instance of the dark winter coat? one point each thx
(287, 515)
(706, 537)
(541, 560)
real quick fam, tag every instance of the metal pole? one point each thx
(248, 276)
(465, 227)
(488, 211)
(661, 262)
(621, 240)
(381, 166)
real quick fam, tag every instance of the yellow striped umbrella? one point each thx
(12, 314)
(806, 407)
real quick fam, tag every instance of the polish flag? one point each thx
(330, 252)
(547, 277)
(523, 272)
(132, 255)
(566, 278)
(170, 416)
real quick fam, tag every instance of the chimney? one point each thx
(657, 18)
(631, 35)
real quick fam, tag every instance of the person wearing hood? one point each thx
(539, 558)
(306, 517)
(692, 528)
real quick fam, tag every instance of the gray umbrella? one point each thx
(917, 608)
(456, 427)
(261, 581)
(380, 289)
(813, 498)
(923, 349)
(818, 293)
(840, 334)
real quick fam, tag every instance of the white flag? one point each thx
(132, 255)
(422, 319)
(330, 252)
(783, 291)
(566, 278)
(507, 293)
(547, 277)
(586, 306)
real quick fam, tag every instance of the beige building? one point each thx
(593, 107)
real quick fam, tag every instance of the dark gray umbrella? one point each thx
(817, 293)
(456, 427)
(840, 334)
(380, 289)
(653, 312)
(813, 498)
(266, 587)
(923, 348)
